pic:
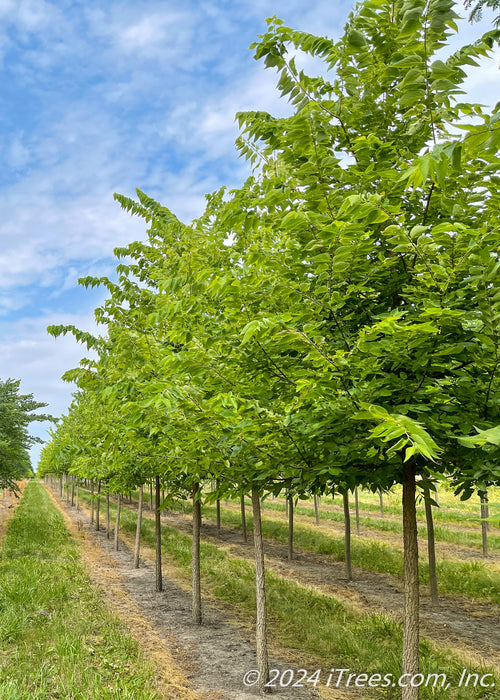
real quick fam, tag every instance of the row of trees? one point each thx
(332, 323)
(17, 411)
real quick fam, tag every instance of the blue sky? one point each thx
(103, 97)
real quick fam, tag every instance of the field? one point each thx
(318, 620)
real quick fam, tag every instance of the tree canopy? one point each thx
(17, 411)
(334, 321)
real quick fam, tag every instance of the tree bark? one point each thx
(150, 495)
(347, 536)
(117, 520)
(381, 499)
(217, 504)
(411, 583)
(138, 530)
(195, 561)
(98, 506)
(316, 509)
(159, 580)
(243, 518)
(78, 495)
(290, 527)
(72, 491)
(431, 548)
(261, 624)
(484, 524)
(92, 504)
(60, 487)
(108, 523)
(356, 506)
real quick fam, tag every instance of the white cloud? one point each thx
(29, 353)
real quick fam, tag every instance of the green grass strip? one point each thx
(468, 578)
(303, 619)
(57, 639)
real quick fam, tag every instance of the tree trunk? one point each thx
(260, 631)
(316, 509)
(431, 548)
(290, 527)
(411, 584)
(484, 524)
(72, 492)
(92, 504)
(78, 495)
(117, 520)
(381, 499)
(108, 524)
(286, 507)
(243, 518)
(217, 504)
(138, 530)
(60, 487)
(150, 495)
(195, 562)
(356, 506)
(98, 505)
(159, 580)
(347, 536)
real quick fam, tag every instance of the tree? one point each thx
(333, 322)
(479, 5)
(17, 411)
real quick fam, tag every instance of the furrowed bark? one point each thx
(484, 524)
(261, 625)
(98, 506)
(138, 530)
(159, 580)
(195, 561)
(356, 506)
(411, 583)
(108, 522)
(431, 547)
(347, 536)
(218, 516)
(290, 528)
(117, 520)
(243, 518)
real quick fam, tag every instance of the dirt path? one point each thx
(209, 661)
(105, 572)
(469, 627)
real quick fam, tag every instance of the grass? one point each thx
(57, 639)
(323, 629)
(442, 534)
